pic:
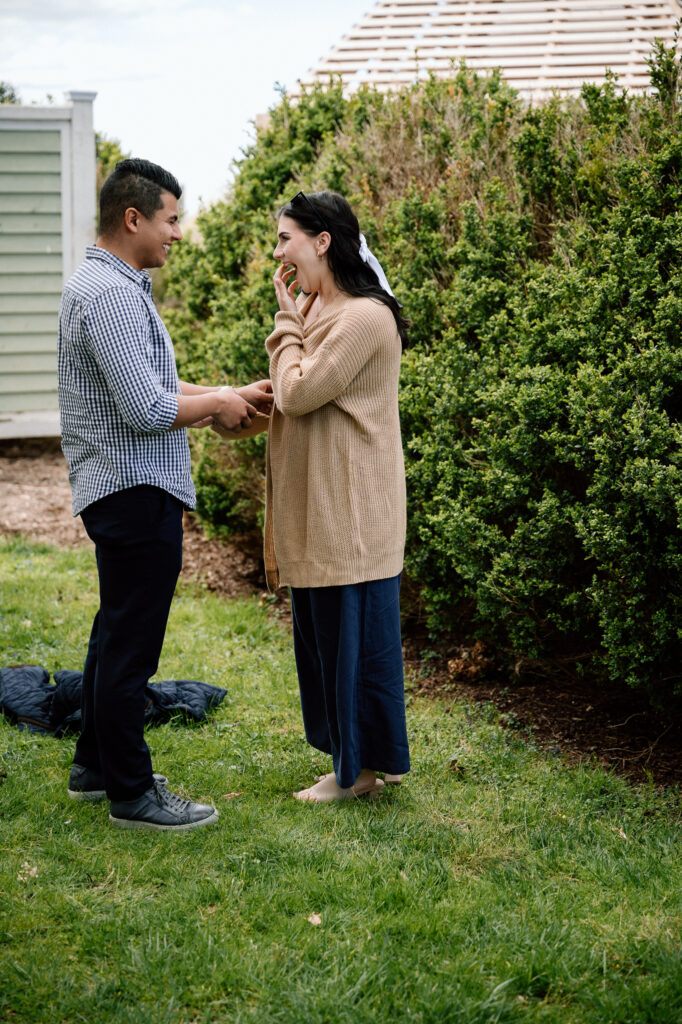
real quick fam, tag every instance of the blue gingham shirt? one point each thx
(118, 385)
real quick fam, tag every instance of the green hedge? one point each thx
(538, 253)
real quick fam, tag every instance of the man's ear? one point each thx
(131, 220)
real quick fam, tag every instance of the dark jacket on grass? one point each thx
(32, 702)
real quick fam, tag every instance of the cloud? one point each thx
(177, 81)
(59, 11)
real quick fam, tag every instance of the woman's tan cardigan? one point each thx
(335, 502)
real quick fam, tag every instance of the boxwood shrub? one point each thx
(538, 254)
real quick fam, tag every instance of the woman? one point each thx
(335, 515)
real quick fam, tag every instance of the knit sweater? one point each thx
(335, 492)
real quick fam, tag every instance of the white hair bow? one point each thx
(370, 259)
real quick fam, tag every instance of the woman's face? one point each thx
(306, 254)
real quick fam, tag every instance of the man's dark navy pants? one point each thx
(137, 534)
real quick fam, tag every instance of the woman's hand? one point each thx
(285, 282)
(258, 394)
(259, 424)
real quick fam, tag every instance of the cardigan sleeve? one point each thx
(303, 383)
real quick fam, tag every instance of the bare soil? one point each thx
(36, 502)
(571, 717)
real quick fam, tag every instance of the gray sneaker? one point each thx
(160, 809)
(88, 786)
(84, 784)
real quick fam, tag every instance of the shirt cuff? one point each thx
(164, 412)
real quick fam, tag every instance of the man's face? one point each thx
(154, 237)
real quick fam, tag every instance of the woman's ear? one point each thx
(323, 242)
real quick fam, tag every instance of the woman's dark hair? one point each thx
(327, 211)
(136, 183)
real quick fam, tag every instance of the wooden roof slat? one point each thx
(559, 41)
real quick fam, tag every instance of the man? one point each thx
(123, 418)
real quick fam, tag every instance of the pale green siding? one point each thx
(31, 267)
(31, 303)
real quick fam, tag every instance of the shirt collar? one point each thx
(140, 277)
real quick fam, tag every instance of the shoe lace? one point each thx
(172, 801)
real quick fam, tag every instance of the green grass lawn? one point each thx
(512, 888)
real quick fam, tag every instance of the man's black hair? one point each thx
(133, 183)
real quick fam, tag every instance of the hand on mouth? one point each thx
(285, 282)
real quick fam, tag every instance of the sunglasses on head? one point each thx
(301, 197)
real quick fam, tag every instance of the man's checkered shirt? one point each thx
(118, 385)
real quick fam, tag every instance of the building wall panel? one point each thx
(31, 267)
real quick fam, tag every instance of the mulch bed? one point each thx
(36, 502)
(572, 718)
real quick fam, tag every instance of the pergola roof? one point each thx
(540, 45)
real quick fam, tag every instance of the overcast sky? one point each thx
(177, 81)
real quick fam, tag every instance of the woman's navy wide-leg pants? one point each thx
(350, 670)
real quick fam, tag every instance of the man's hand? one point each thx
(230, 408)
(233, 412)
(259, 394)
(259, 425)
